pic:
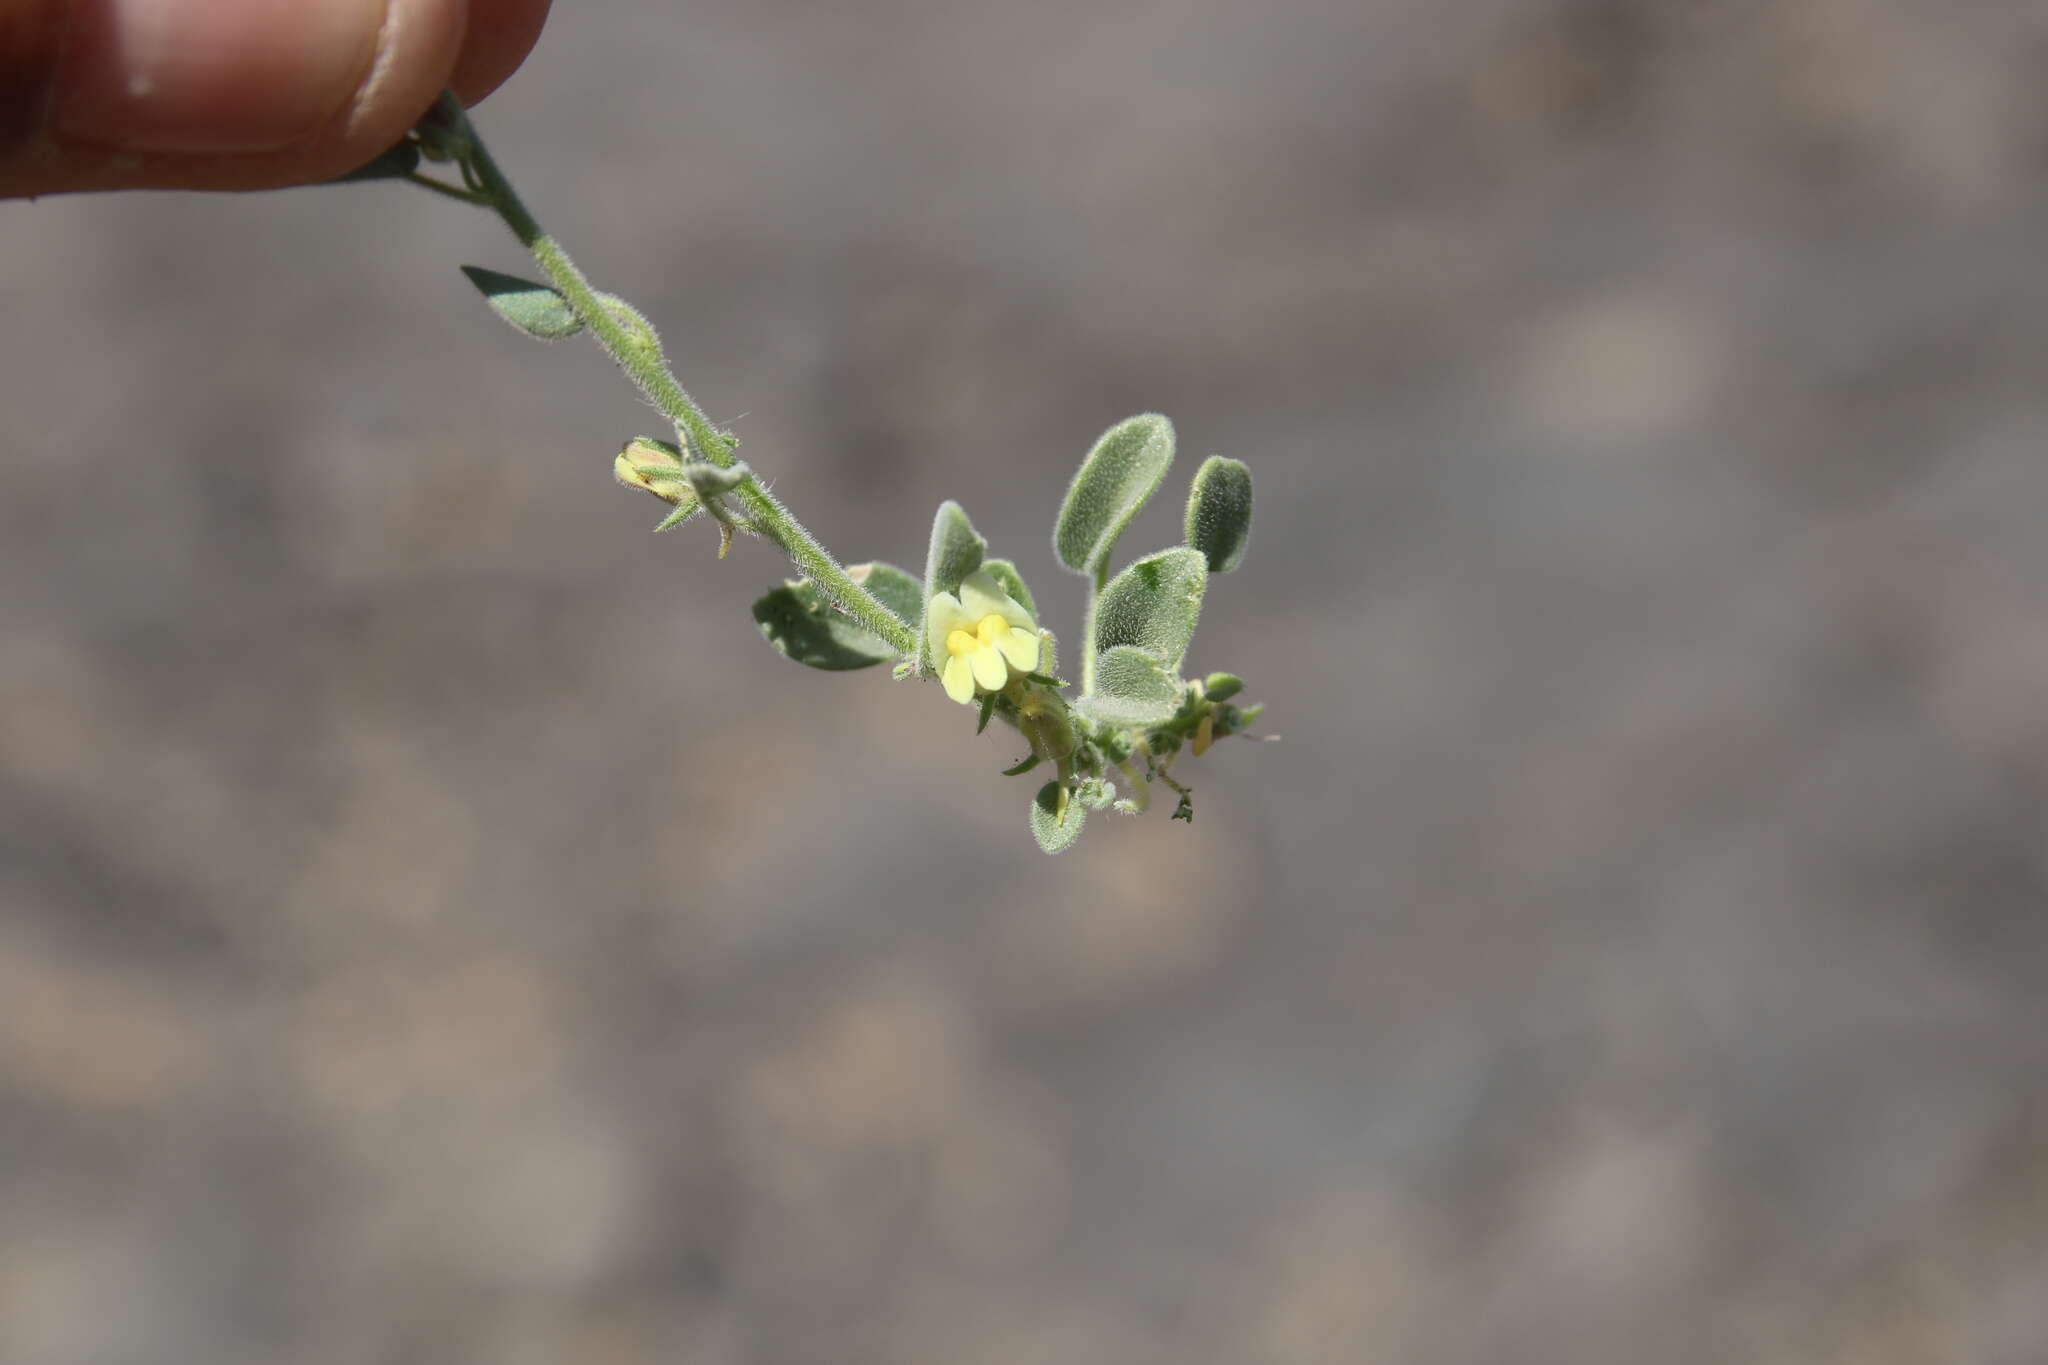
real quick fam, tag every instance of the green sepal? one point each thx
(1186, 809)
(1056, 819)
(1219, 518)
(893, 588)
(1154, 604)
(682, 513)
(798, 620)
(1005, 573)
(535, 309)
(1131, 690)
(1029, 762)
(1114, 481)
(988, 706)
(956, 551)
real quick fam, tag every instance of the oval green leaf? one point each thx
(1154, 604)
(797, 620)
(1056, 828)
(1132, 690)
(1219, 520)
(534, 309)
(894, 589)
(1122, 471)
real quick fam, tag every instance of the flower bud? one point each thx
(1222, 686)
(655, 466)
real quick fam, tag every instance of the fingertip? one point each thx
(222, 94)
(501, 33)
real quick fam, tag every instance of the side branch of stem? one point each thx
(648, 370)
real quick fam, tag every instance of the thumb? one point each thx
(212, 94)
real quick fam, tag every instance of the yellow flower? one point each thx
(979, 637)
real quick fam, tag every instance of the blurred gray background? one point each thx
(434, 927)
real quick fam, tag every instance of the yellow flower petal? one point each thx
(988, 668)
(1020, 647)
(942, 617)
(959, 679)
(981, 595)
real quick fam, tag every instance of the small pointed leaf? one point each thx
(1219, 520)
(1122, 471)
(397, 161)
(534, 309)
(893, 588)
(1131, 690)
(1056, 819)
(797, 620)
(1154, 604)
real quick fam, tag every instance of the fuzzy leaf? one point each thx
(1131, 690)
(1053, 828)
(893, 588)
(1154, 605)
(1005, 573)
(534, 309)
(956, 552)
(709, 481)
(1219, 520)
(797, 620)
(1122, 471)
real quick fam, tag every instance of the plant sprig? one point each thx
(970, 623)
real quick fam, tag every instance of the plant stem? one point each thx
(1096, 581)
(645, 366)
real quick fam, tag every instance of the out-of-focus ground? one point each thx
(433, 927)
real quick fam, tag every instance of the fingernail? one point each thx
(210, 75)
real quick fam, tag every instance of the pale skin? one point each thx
(233, 94)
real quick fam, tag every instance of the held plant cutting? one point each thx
(970, 624)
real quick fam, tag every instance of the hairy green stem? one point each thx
(1096, 582)
(646, 367)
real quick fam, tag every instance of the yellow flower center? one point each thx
(993, 627)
